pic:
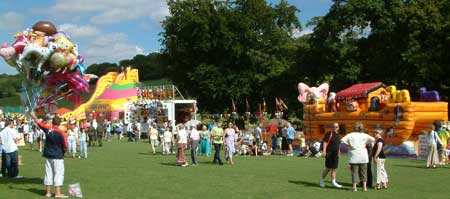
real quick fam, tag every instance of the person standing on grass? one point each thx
(55, 147)
(331, 145)
(379, 158)
(290, 138)
(90, 132)
(229, 141)
(433, 141)
(357, 153)
(194, 138)
(72, 139)
(443, 136)
(83, 143)
(9, 138)
(31, 135)
(217, 136)
(153, 137)
(167, 141)
(258, 134)
(205, 147)
(101, 128)
(182, 141)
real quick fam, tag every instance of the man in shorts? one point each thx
(331, 144)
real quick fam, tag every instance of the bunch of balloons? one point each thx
(50, 65)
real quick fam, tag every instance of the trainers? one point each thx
(322, 183)
(18, 177)
(185, 165)
(335, 184)
(61, 196)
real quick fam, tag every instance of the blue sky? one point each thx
(109, 30)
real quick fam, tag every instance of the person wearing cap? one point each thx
(379, 158)
(55, 147)
(9, 138)
(357, 153)
(331, 145)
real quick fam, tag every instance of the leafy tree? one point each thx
(232, 49)
(397, 42)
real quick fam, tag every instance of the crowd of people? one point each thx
(56, 138)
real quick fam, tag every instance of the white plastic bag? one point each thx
(75, 190)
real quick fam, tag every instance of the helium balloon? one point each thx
(58, 60)
(45, 26)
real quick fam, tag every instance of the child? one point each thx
(167, 141)
(83, 143)
(30, 137)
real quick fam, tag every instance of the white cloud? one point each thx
(79, 31)
(111, 47)
(296, 33)
(11, 21)
(112, 11)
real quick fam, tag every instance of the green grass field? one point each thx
(127, 170)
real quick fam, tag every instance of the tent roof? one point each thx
(358, 90)
(61, 111)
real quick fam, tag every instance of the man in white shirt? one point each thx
(258, 134)
(9, 137)
(357, 153)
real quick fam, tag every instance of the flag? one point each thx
(283, 104)
(277, 105)
(264, 105)
(247, 106)
(233, 106)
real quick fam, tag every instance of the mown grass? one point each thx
(123, 169)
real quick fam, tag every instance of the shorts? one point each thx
(332, 160)
(290, 141)
(154, 142)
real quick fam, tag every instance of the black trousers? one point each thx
(217, 154)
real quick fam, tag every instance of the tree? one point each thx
(232, 49)
(397, 42)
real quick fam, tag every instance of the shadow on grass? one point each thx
(146, 153)
(169, 164)
(21, 181)
(316, 184)
(411, 166)
(40, 192)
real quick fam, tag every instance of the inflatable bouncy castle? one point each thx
(374, 105)
(112, 93)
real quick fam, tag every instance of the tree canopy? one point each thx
(230, 49)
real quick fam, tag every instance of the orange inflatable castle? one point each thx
(373, 104)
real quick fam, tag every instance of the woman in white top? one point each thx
(433, 140)
(229, 141)
(72, 139)
(357, 153)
